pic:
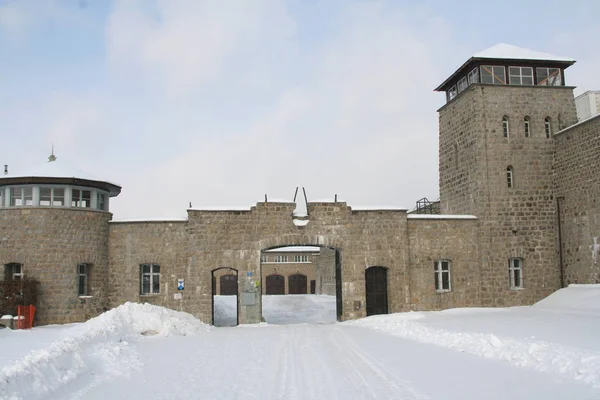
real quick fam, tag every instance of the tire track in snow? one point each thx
(365, 367)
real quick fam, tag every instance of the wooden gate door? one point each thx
(297, 284)
(376, 290)
(275, 284)
(313, 286)
(228, 285)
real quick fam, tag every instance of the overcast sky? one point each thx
(219, 102)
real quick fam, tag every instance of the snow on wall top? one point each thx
(55, 169)
(295, 249)
(439, 216)
(508, 51)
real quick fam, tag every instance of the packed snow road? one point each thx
(317, 362)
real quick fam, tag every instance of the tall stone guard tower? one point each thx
(495, 151)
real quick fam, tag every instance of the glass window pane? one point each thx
(486, 74)
(437, 281)
(146, 269)
(45, 196)
(499, 75)
(145, 284)
(156, 283)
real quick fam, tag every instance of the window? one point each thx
(81, 198)
(505, 126)
(21, 196)
(442, 275)
(473, 76)
(83, 275)
(520, 75)
(509, 177)
(2, 197)
(452, 93)
(301, 258)
(50, 196)
(13, 272)
(515, 271)
(548, 77)
(101, 201)
(493, 74)
(150, 282)
(462, 84)
(264, 258)
(548, 127)
(281, 259)
(527, 126)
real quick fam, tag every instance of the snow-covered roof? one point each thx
(55, 169)
(378, 208)
(510, 52)
(150, 219)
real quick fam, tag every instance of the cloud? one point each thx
(349, 127)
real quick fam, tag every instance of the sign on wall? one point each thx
(180, 284)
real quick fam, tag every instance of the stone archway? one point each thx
(225, 311)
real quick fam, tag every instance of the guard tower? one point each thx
(495, 149)
(54, 229)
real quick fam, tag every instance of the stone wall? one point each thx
(455, 240)
(166, 244)
(325, 271)
(577, 185)
(50, 243)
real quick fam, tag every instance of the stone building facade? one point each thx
(520, 218)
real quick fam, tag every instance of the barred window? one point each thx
(150, 279)
(281, 258)
(527, 126)
(301, 258)
(505, 126)
(509, 177)
(442, 275)
(548, 127)
(83, 275)
(13, 272)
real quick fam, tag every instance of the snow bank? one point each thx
(567, 361)
(99, 348)
(577, 298)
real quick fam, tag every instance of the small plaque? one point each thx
(178, 296)
(248, 299)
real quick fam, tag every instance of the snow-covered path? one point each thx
(308, 361)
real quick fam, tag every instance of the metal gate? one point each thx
(229, 285)
(297, 284)
(275, 284)
(376, 290)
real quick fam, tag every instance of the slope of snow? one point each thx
(101, 347)
(551, 336)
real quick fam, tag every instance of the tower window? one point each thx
(548, 77)
(473, 76)
(527, 126)
(509, 177)
(83, 275)
(13, 272)
(520, 75)
(505, 127)
(462, 84)
(515, 272)
(548, 127)
(493, 74)
(21, 196)
(452, 93)
(52, 196)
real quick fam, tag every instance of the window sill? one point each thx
(517, 289)
(150, 295)
(444, 291)
(85, 297)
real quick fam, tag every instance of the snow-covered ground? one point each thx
(547, 351)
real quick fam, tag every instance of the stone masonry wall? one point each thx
(454, 240)
(50, 243)
(577, 184)
(325, 271)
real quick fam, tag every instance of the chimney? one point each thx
(5, 169)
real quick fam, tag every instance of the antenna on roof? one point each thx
(52, 157)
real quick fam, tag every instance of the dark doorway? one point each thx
(376, 290)
(313, 286)
(275, 284)
(338, 285)
(297, 284)
(225, 301)
(229, 285)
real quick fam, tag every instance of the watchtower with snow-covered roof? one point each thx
(54, 228)
(503, 107)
